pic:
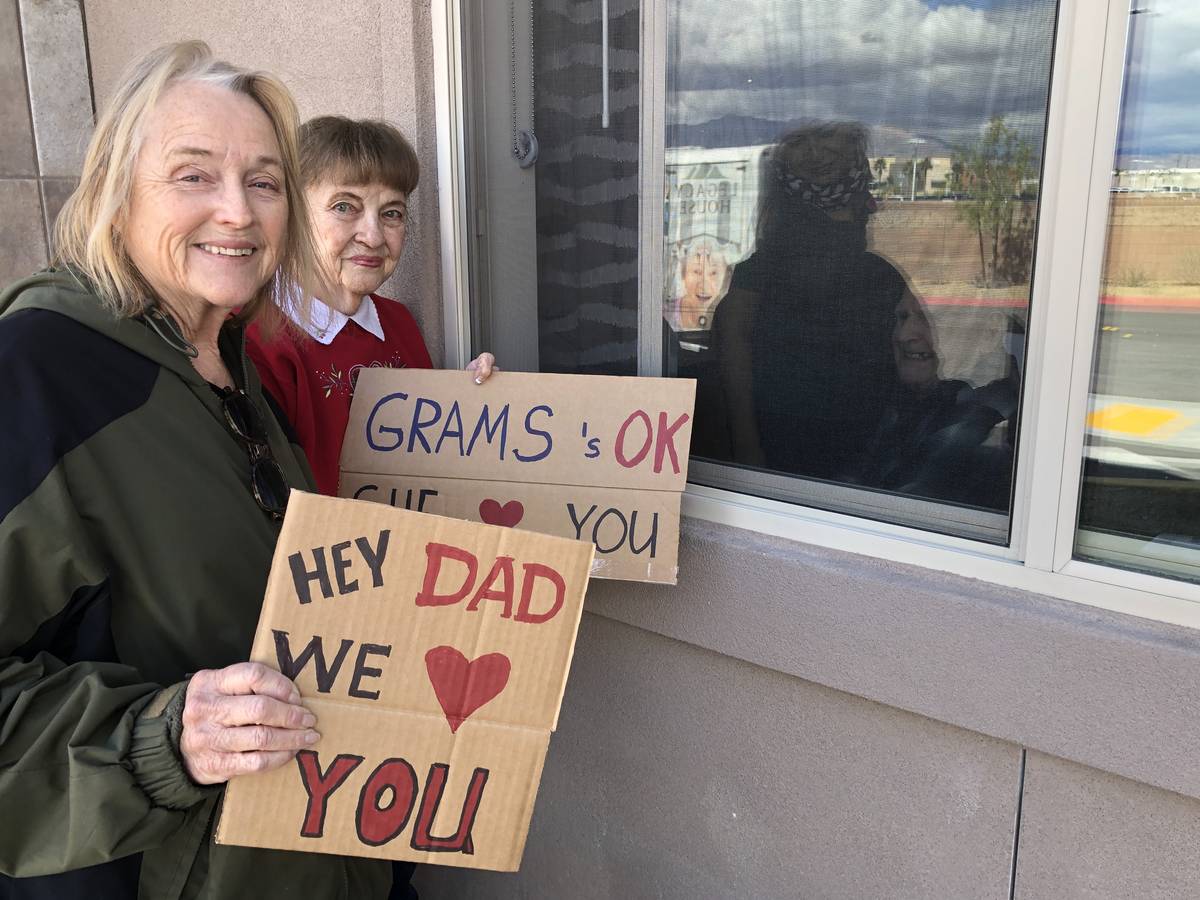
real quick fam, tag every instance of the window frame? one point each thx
(1086, 81)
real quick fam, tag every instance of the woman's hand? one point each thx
(482, 367)
(240, 719)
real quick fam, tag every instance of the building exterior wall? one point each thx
(872, 725)
(788, 721)
(46, 111)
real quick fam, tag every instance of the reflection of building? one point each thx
(897, 173)
(1159, 181)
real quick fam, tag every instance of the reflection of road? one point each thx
(1153, 355)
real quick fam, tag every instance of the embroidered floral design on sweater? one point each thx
(337, 382)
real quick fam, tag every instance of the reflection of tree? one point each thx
(880, 168)
(994, 172)
(956, 175)
(923, 168)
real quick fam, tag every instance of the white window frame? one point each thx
(1088, 72)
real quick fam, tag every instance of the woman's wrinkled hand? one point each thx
(482, 367)
(244, 718)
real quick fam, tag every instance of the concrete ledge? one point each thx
(1113, 692)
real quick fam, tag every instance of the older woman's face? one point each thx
(913, 345)
(703, 277)
(207, 219)
(361, 230)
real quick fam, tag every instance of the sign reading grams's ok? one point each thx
(601, 459)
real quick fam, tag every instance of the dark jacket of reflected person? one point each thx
(804, 335)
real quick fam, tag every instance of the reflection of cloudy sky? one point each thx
(1162, 111)
(938, 69)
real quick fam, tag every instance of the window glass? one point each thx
(1140, 497)
(851, 199)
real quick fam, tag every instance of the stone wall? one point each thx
(47, 111)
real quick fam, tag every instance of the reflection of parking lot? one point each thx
(1142, 456)
(1149, 354)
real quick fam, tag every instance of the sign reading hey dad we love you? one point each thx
(595, 458)
(434, 653)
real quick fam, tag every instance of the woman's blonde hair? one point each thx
(86, 233)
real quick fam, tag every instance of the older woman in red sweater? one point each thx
(358, 177)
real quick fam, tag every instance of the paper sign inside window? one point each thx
(595, 458)
(434, 653)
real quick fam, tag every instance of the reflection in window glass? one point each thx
(1140, 498)
(852, 190)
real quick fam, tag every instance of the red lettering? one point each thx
(533, 571)
(320, 787)
(665, 441)
(502, 567)
(435, 553)
(460, 841)
(619, 448)
(379, 824)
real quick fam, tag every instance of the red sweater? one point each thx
(314, 382)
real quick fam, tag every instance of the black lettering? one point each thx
(362, 670)
(373, 556)
(303, 577)
(325, 675)
(340, 565)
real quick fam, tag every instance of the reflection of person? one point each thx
(803, 333)
(143, 476)
(937, 438)
(703, 278)
(358, 176)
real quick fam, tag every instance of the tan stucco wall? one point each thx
(359, 58)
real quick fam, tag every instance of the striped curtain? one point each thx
(587, 187)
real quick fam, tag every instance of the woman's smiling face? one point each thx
(361, 230)
(913, 345)
(207, 217)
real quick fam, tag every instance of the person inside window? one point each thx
(939, 438)
(358, 178)
(803, 337)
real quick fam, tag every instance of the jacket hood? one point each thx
(68, 293)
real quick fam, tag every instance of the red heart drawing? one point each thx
(508, 515)
(461, 686)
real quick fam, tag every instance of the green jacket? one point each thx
(132, 552)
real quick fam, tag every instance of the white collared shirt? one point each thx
(327, 322)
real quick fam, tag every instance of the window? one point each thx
(850, 201)
(911, 389)
(852, 194)
(1140, 497)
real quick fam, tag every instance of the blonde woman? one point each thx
(142, 477)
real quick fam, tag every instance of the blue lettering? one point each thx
(500, 425)
(419, 424)
(544, 434)
(384, 429)
(454, 417)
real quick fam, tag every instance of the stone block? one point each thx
(22, 233)
(60, 87)
(16, 137)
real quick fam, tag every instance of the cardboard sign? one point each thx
(434, 653)
(594, 458)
